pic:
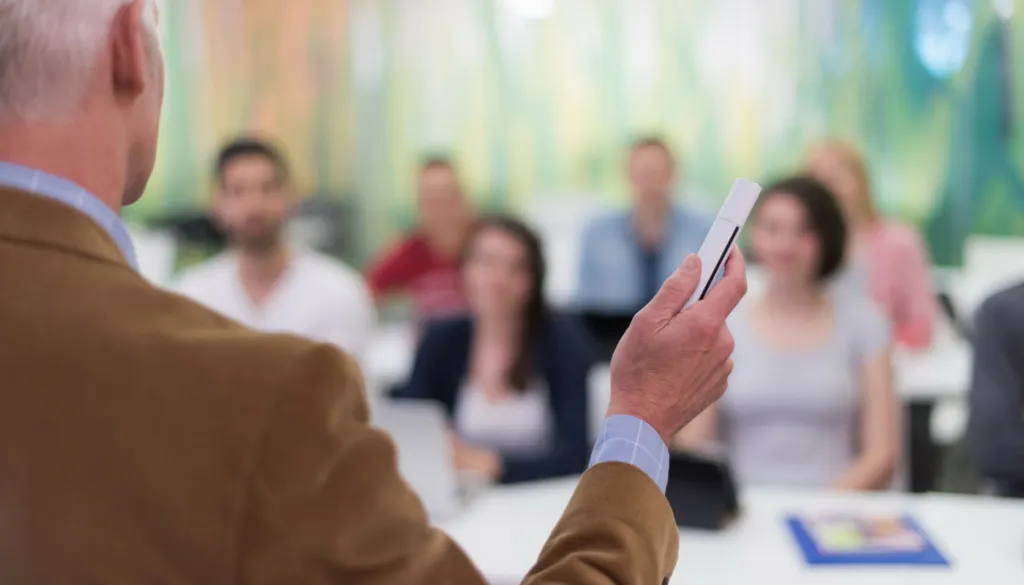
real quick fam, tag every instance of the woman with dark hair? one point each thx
(512, 376)
(810, 401)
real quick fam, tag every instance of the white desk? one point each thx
(504, 530)
(391, 354)
(939, 373)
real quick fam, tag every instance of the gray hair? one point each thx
(47, 48)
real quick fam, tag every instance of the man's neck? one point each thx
(448, 245)
(80, 154)
(260, 270)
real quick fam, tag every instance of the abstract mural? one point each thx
(535, 98)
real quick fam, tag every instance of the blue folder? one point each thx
(928, 554)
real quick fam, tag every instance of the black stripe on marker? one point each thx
(718, 265)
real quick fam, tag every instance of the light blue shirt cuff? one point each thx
(627, 439)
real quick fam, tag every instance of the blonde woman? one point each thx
(888, 257)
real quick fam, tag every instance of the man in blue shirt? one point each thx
(628, 254)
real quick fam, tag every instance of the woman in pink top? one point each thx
(892, 254)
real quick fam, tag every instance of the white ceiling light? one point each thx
(1004, 8)
(532, 9)
(942, 35)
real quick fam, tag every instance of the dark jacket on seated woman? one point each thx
(562, 365)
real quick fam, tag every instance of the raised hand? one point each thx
(671, 364)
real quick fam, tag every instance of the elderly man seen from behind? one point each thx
(146, 439)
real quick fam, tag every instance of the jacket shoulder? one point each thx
(183, 335)
(1003, 304)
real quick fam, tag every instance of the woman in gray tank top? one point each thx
(810, 402)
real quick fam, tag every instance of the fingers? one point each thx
(677, 289)
(726, 344)
(720, 354)
(717, 364)
(723, 381)
(715, 384)
(724, 296)
(720, 380)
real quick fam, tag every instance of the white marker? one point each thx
(723, 234)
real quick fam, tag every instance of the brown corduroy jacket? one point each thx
(145, 440)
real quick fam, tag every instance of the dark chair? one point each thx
(330, 224)
(193, 228)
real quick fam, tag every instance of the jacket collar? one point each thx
(28, 218)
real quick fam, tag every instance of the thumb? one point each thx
(677, 289)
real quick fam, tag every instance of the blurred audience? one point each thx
(625, 256)
(887, 258)
(512, 376)
(425, 263)
(996, 428)
(810, 401)
(262, 280)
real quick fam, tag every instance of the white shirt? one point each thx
(317, 297)
(520, 424)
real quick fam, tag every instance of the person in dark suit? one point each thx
(995, 432)
(512, 376)
(146, 439)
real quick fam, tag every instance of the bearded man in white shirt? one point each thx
(265, 281)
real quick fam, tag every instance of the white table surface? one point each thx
(391, 353)
(503, 531)
(942, 372)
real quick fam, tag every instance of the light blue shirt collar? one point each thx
(53, 187)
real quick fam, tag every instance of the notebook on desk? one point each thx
(847, 539)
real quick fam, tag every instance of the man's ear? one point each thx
(129, 51)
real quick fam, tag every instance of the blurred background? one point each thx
(879, 354)
(539, 98)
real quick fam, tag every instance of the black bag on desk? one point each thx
(701, 491)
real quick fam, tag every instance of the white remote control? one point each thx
(723, 234)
